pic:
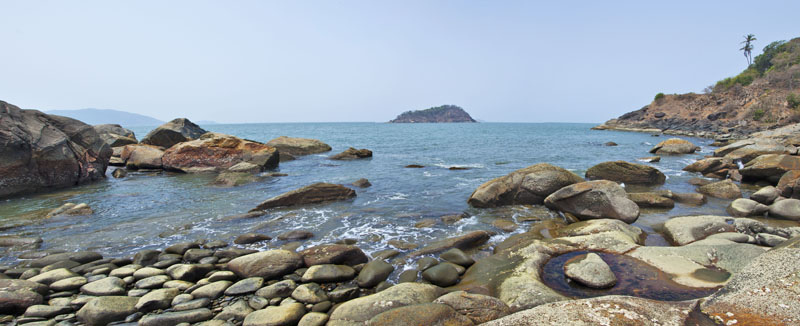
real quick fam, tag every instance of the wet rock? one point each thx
(399, 244)
(410, 275)
(52, 276)
(769, 240)
(140, 156)
(298, 146)
(789, 184)
(327, 273)
(421, 314)
(525, 186)
(425, 223)
(109, 286)
(464, 242)
(103, 310)
(267, 264)
(212, 291)
(749, 149)
(152, 282)
(590, 270)
(608, 310)
(786, 209)
(611, 143)
(766, 195)
(236, 311)
(763, 293)
(626, 172)
(195, 254)
(594, 200)
(248, 285)
(288, 314)
(477, 307)
(683, 230)
(17, 295)
(443, 275)
(146, 257)
(71, 209)
(693, 199)
(313, 319)
(458, 257)
(373, 273)
(245, 167)
(216, 152)
(313, 194)
(651, 200)
(176, 317)
(173, 132)
(235, 179)
(770, 167)
(68, 284)
(192, 304)
(184, 272)
(157, 299)
(13, 241)
(295, 235)
(249, 238)
(43, 152)
(352, 154)
(334, 254)
(362, 183)
(724, 189)
(363, 309)
(674, 146)
(280, 289)
(743, 207)
(650, 159)
(414, 166)
(710, 165)
(309, 293)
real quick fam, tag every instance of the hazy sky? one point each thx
(281, 61)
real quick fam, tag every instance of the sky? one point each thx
(347, 61)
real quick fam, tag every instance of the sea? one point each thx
(152, 210)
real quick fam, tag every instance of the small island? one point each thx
(444, 113)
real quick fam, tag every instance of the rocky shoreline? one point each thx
(589, 265)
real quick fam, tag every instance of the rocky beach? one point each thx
(602, 249)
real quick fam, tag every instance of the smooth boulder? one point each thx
(590, 270)
(674, 146)
(770, 167)
(312, 194)
(527, 186)
(743, 207)
(786, 209)
(267, 264)
(141, 156)
(103, 310)
(173, 132)
(594, 200)
(626, 172)
(724, 189)
(214, 152)
(298, 146)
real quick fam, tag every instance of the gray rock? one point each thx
(421, 314)
(236, 311)
(766, 195)
(334, 254)
(373, 273)
(152, 282)
(192, 304)
(313, 319)
(211, 291)
(47, 311)
(477, 307)
(458, 257)
(267, 264)
(683, 230)
(184, 272)
(103, 310)
(363, 309)
(298, 146)
(770, 240)
(288, 314)
(173, 132)
(113, 286)
(590, 270)
(743, 207)
(442, 275)
(674, 146)
(309, 293)
(626, 172)
(786, 209)
(147, 272)
(53, 276)
(139, 156)
(157, 299)
(525, 186)
(594, 200)
(248, 285)
(176, 317)
(68, 284)
(327, 273)
(280, 289)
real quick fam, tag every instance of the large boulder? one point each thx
(421, 314)
(104, 310)
(267, 264)
(42, 152)
(748, 149)
(743, 207)
(626, 172)
(298, 146)
(142, 156)
(770, 167)
(710, 165)
(214, 152)
(312, 194)
(763, 293)
(114, 135)
(683, 230)
(361, 310)
(724, 189)
(173, 132)
(789, 184)
(786, 209)
(594, 200)
(674, 146)
(17, 295)
(523, 187)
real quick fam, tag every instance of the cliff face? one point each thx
(765, 96)
(444, 113)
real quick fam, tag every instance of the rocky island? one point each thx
(444, 113)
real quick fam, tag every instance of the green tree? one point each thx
(748, 47)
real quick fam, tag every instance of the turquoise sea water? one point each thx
(154, 210)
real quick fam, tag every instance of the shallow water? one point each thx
(154, 210)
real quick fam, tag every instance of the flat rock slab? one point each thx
(312, 194)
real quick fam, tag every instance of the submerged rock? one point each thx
(594, 200)
(352, 154)
(216, 152)
(44, 152)
(71, 209)
(334, 254)
(626, 172)
(590, 270)
(743, 207)
(313, 194)
(173, 132)
(525, 186)
(298, 146)
(674, 146)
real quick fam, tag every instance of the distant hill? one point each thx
(764, 96)
(100, 116)
(444, 113)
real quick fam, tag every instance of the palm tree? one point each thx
(748, 47)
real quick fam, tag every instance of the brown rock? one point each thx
(352, 154)
(629, 173)
(770, 167)
(463, 242)
(267, 264)
(313, 194)
(525, 186)
(142, 156)
(216, 152)
(334, 254)
(674, 146)
(298, 146)
(173, 132)
(725, 189)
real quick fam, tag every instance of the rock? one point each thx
(363, 309)
(313, 319)
(604, 310)
(17, 295)
(334, 254)
(421, 314)
(522, 187)
(111, 286)
(146, 257)
(176, 317)
(222, 276)
(352, 154)
(328, 273)
(743, 207)
(769, 240)
(626, 172)
(694, 199)
(313, 194)
(71, 209)
(710, 165)
(249, 238)
(140, 156)
(184, 272)
(68, 284)
(651, 200)
(309, 293)
(288, 314)
(217, 152)
(114, 135)
(103, 310)
(463, 242)
(267, 264)
(590, 270)
(749, 149)
(477, 307)
(146, 272)
(43, 152)
(458, 257)
(298, 146)
(414, 166)
(590, 227)
(443, 275)
(245, 167)
(245, 286)
(770, 167)
(173, 132)
(789, 184)
(765, 195)
(724, 189)
(236, 311)
(152, 282)
(46, 311)
(611, 143)
(119, 173)
(373, 273)
(295, 235)
(280, 289)
(157, 299)
(425, 223)
(52, 276)
(13, 241)
(212, 291)
(674, 146)
(594, 200)
(763, 293)
(683, 230)
(192, 304)
(410, 275)
(786, 209)
(650, 159)
(234, 179)
(362, 183)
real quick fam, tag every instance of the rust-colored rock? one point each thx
(312, 194)
(674, 146)
(213, 152)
